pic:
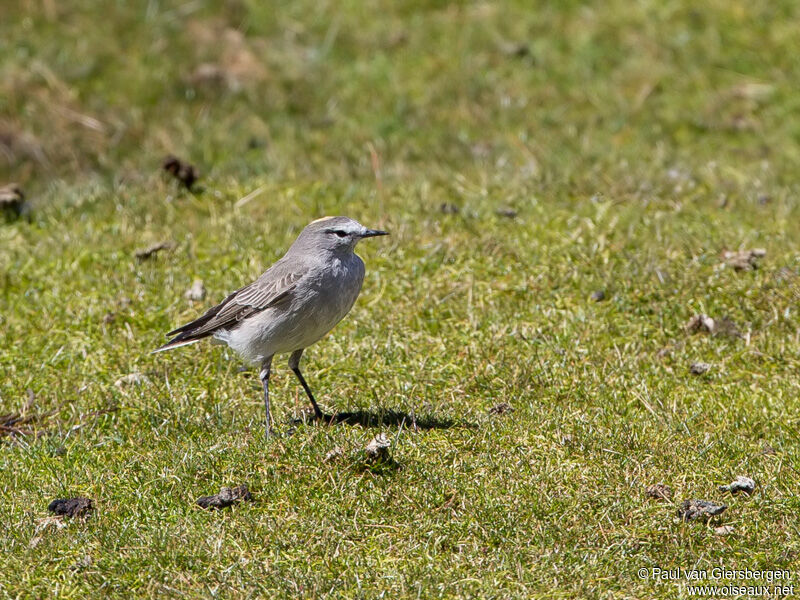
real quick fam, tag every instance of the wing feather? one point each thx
(271, 289)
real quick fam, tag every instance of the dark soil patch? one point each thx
(71, 507)
(702, 510)
(226, 497)
(180, 170)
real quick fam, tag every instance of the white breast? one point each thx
(317, 304)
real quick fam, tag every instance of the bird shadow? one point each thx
(388, 418)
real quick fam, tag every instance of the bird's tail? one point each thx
(176, 343)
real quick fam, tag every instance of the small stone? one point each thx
(723, 530)
(226, 497)
(700, 322)
(598, 295)
(660, 491)
(378, 448)
(151, 251)
(740, 484)
(131, 379)
(333, 455)
(699, 368)
(71, 507)
(719, 327)
(744, 260)
(703, 510)
(197, 292)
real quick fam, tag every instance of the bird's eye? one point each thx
(340, 233)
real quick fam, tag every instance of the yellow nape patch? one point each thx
(323, 219)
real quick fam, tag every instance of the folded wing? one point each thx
(272, 288)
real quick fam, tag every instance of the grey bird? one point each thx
(292, 305)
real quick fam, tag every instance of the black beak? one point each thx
(373, 233)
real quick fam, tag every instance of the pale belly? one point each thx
(304, 320)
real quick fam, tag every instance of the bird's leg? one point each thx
(294, 365)
(266, 368)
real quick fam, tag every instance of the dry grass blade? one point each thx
(16, 424)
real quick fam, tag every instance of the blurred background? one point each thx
(561, 96)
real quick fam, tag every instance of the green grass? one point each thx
(636, 141)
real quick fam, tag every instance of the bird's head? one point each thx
(335, 234)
